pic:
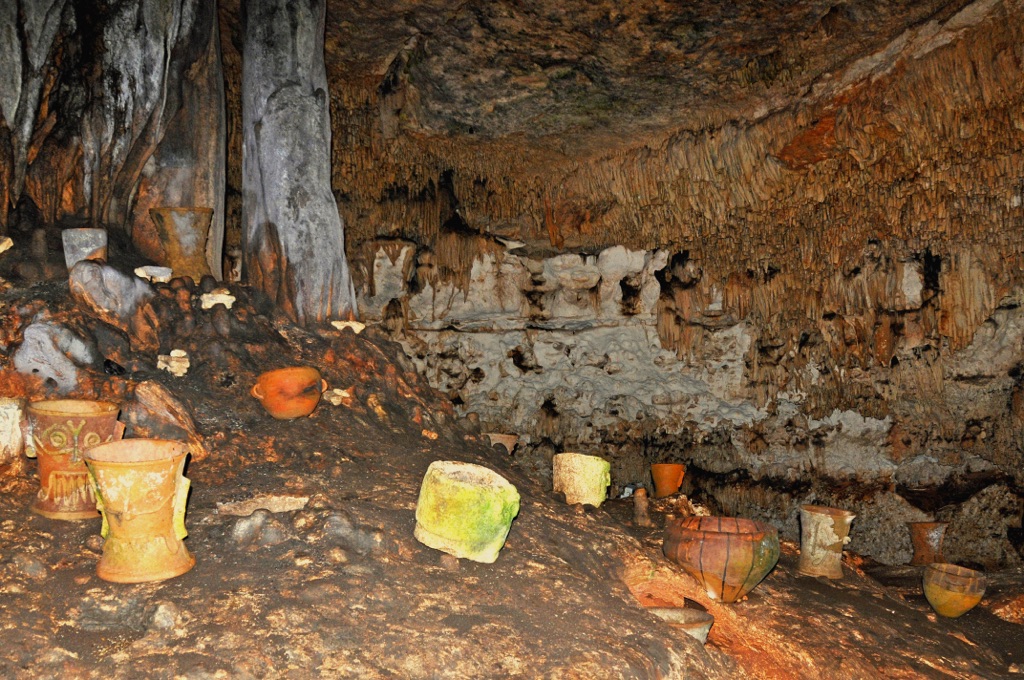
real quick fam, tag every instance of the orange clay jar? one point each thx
(289, 392)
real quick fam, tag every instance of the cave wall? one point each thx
(109, 110)
(818, 296)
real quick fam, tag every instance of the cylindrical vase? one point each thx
(823, 533)
(87, 243)
(142, 493)
(583, 479)
(926, 538)
(59, 432)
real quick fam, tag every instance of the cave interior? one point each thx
(779, 244)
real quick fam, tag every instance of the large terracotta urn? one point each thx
(59, 432)
(727, 555)
(141, 491)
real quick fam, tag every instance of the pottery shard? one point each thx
(154, 412)
(117, 298)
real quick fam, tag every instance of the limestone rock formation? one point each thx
(293, 235)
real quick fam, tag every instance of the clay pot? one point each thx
(506, 440)
(583, 479)
(142, 494)
(83, 244)
(465, 510)
(727, 555)
(693, 622)
(926, 538)
(668, 477)
(12, 437)
(952, 590)
(184, 232)
(823, 533)
(59, 432)
(289, 392)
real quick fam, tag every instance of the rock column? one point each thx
(292, 233)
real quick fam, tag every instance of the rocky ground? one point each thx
(303, 534)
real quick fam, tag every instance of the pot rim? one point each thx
(73, 407)
(273, 373)
(741, 526)
(954, 570)
(828, 510)
(136, 451)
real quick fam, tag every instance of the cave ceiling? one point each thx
(596, 74)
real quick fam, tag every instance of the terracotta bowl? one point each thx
(289, 392)
(727, 555)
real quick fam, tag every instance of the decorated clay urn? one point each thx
(952, 590)
(59, 432)
(727, 555)
(291, 392)
(141, 492)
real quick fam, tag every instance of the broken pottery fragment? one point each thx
(291, 392)
(952, 590)
(465, 510)
(83, 244)
(728, 555)
(218, 296)
(508, 441)
(154, 273)
(693, 622)
(337, 397)
(141, 491)
(176, 363)
(59, 432)
(356, 327)
(583, 479)
(823, 533)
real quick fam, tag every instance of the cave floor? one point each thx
(307, 565)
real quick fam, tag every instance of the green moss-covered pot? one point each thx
(465, 510)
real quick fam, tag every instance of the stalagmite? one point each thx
(293, 238)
